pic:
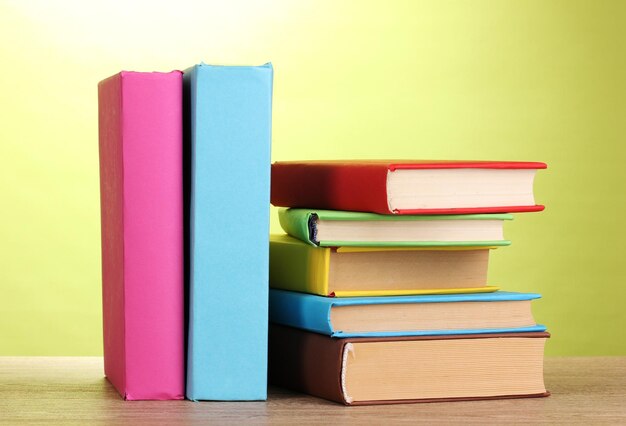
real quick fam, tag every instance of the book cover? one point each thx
(141, 189)
(363, 185)
(229, 110)
(319, 365)
(298, 266)
(313, 313)
(302, 224)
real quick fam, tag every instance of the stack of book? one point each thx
(379, 289)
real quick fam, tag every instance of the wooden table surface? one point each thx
(73, 390)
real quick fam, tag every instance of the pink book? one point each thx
(140, 130)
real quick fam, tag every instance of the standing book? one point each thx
(228, 114)
(406, 186)
(140, 132)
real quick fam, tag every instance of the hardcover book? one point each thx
(392, 370)
(479, 313)
(376, 271)
(141, 190)
(331, 228)
(229, 111)
(406, 187)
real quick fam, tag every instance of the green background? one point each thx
(490, 80)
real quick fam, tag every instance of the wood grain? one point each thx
(65, 390)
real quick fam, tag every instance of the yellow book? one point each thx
(376, 271)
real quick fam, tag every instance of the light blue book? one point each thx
(228, 112)
(388, 316)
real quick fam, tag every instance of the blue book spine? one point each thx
(228, 118)
(301, 311)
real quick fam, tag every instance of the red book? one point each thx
(406, 186)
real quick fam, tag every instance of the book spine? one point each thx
(112, 229)
(306, 362)
(230, 132)
(142, 243)
(306, 311)
(298, 266)
(296, 223)
(360, 187)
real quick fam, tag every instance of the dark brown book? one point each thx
(391, 370)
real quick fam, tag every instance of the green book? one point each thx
(329, 228)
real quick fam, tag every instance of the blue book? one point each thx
(388, 316)
(228, 112)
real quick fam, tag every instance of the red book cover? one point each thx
(363, 185)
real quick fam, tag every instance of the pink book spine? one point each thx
(140, 132)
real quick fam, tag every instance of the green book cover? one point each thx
(303, 225)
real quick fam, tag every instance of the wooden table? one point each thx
(73, 390)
